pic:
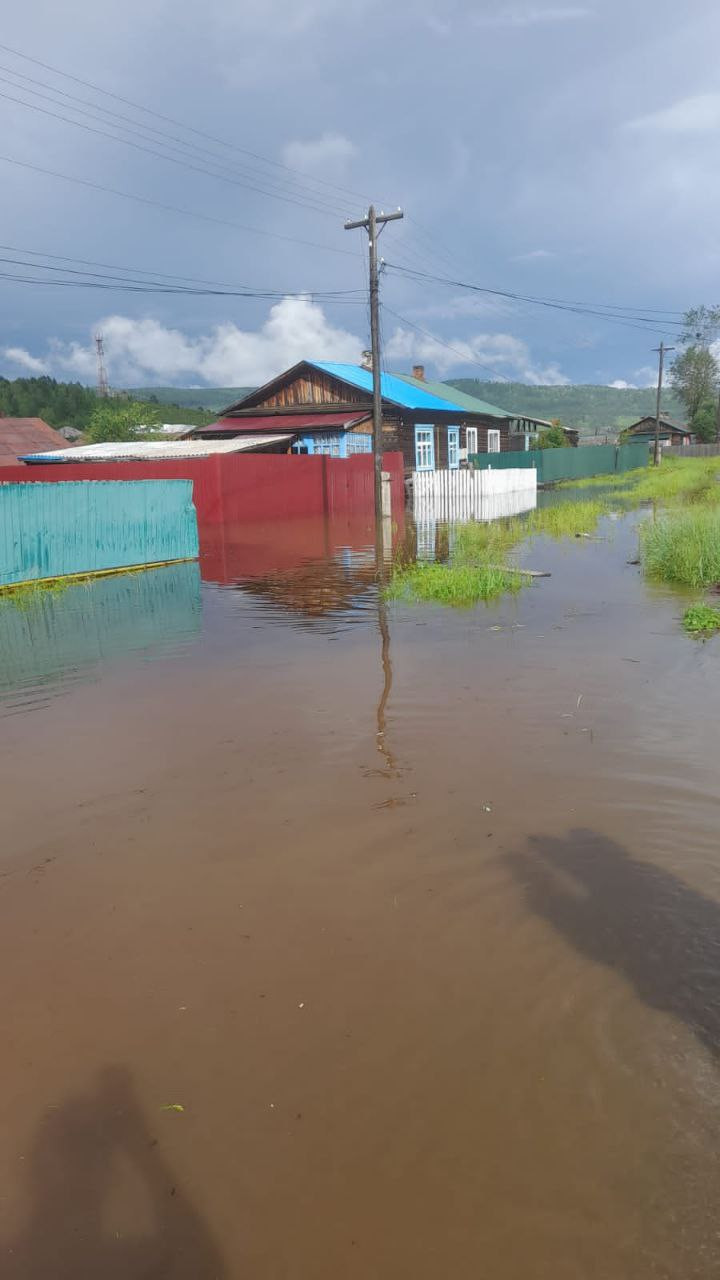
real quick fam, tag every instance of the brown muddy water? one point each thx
(441, 1001)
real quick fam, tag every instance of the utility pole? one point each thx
(661, 350)
(371, 224)
(102, 381)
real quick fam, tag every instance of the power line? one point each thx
(136, 106)
(161, 279)
(169, 208)
(480, 364)
(161, 155)
(148, 130)
(192, 152)
(617, 314)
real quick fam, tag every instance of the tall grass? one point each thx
(683, 547)
(480, 567)
(458, 585)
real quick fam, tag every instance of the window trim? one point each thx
(493, 432)
(428, 443)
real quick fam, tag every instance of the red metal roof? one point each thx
(19, 436)
(283, 422)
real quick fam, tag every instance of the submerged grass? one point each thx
(701, 620)
(675, 480)
(458, 585)
(683, 548)
(480, 566)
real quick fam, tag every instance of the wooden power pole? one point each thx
(661, 350)
(371, 224)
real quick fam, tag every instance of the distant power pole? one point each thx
(371, 224)
(102, 380)
(661, 350)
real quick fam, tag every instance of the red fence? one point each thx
(246, 487)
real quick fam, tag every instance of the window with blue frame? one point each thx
(334, 444)
(424, 449)
(453, 448)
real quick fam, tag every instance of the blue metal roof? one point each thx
(396, 390)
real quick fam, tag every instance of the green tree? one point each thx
(695, 374)
(704, 422)
(113, 420)
(553, 438)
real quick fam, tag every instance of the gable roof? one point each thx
(667, 423)
(463, 401)
(406, 394)
(19, 436)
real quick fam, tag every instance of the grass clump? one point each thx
(701, 620)
(683, 548)
(567, 519)
(459, 585)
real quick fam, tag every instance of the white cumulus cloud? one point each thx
(330, 153)
(24, 360)
(497, 353)
(146, 351)
(697, 114)
(621, 385)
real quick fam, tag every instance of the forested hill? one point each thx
(590, 408)
(70, 404)
(212, 398)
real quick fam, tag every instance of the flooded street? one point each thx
(423, 938)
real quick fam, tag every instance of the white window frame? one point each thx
(424, 448)
(471, 440)
(493, 440)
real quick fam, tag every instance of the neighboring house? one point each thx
(670, 432)
(19, 436)
(329, 408)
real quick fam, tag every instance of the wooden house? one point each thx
(328, 406)
(670, 432)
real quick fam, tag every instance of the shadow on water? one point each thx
(635, 918)
(73, 1174)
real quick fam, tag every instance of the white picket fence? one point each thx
(473, 495)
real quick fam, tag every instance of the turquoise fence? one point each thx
(90, 526)
(553, 465)
(52, 639)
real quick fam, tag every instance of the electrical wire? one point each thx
(480, 364)
(208, 137)
(181, 283)
(169, 208)
(610, 312)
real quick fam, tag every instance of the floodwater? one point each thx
(415, 914)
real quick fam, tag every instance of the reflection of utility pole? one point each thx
(661, 350)
(382, 743)
(371, 224)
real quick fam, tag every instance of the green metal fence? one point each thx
(553, 465)
(52, 636)
(90, 526)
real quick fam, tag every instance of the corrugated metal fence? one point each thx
(54, 530)
(553, 465)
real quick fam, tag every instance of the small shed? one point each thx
(670, 432)
(19, 436)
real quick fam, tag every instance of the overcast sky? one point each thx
(558, 150)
